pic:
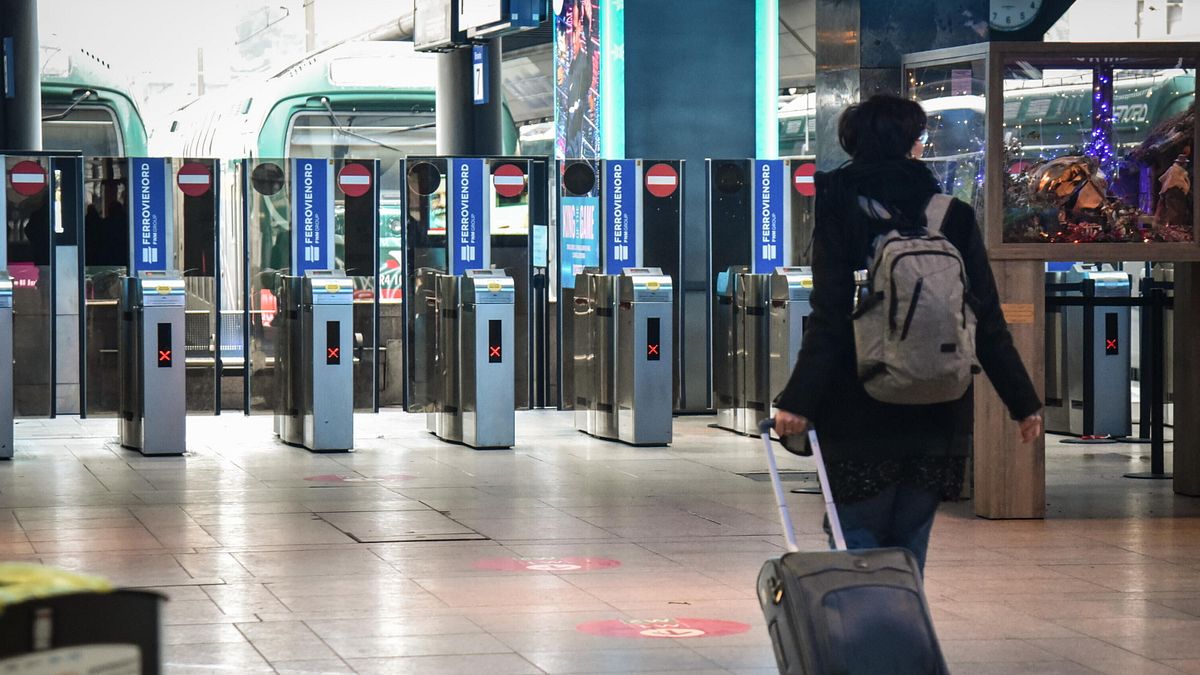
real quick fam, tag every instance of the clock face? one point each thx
(1013, 14)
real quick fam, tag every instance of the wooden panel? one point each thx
(1010, 476)
(1187, 379)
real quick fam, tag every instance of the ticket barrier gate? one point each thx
(757, 341)
(314, 369)
(473, 380)
(153, 395)
(6, 366)
(1087, 359)
(623, 355)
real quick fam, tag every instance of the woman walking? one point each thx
(890, 465)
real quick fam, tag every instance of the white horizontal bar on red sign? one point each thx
(661, 180)
(193, 179)
(347, 179)
(28, 178)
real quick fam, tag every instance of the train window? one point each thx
(386, 136)
(89, 129)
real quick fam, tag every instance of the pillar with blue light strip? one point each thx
(669, 80)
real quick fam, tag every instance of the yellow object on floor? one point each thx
(22, 581)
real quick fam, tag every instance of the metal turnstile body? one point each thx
(153, 395)
(595, 350)
(476, 402)
(1089, 356)
(6, 366)
(757, 342)
(644, 356)
(751, 362)
(314, 362)
(791, 290)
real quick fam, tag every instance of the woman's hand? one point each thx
(787, 424)
(1031, 428)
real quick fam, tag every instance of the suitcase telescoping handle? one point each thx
(789, 533)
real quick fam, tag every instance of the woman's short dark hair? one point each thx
(882, 127)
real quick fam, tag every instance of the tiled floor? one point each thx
(410, 556)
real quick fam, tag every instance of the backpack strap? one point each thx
(935, 212)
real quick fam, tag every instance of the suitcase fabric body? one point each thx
(860, 612)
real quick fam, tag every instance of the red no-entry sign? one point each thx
(803, 179)
(354, 180)
(194, 179)
(27, 178)
(509, 180)
(662, 180)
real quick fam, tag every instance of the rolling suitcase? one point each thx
(842, 612)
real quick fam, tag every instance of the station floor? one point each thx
(567, 554)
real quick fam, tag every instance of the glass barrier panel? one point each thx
(30, 233)
(106, 260)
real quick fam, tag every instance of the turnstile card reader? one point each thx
(315, 363)
(153, 405)
(6, 366)
(475, 392)
(644, 357)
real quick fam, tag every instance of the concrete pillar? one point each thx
(20, 107)
(860, 44)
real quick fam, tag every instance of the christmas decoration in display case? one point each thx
(1067, 151)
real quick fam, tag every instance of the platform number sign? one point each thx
(770, 182)
(479, 74)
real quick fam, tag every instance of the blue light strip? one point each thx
(612, 79)
(766, 66)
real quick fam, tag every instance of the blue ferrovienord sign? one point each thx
(149, 213)
(312, 215)
(770, 185)
(621, 187)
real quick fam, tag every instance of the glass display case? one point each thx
(1062, 147)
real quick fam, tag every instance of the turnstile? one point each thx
(474, 395)
(153, 396)
(1088, 355)
(791, 290)
(314, 362)
(759, 337)
(624, 355)
(6, 366)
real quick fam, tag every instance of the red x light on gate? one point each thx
(494, 352)
(333, 343)
(164, 346)
(652, 350)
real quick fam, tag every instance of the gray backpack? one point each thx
(914, 331)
